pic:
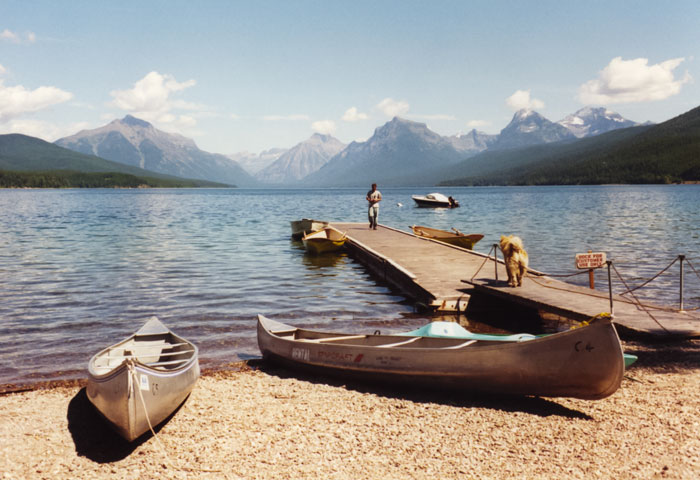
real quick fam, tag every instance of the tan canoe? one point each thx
(327, 239)
(453, 238)
(586, 362)
(142, 379)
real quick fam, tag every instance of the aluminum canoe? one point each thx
(464, 240)
(142, 378)
(586, 362)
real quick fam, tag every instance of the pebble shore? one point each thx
(261, 422)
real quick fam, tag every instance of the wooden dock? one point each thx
(436, 275)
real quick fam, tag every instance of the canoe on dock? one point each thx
(306, 225)
(327, 239)
(456, 238)
(142, 379)
(585, 362)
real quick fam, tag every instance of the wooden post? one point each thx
(612, 314)
(495, 259)
(591, 278)
(681, 257)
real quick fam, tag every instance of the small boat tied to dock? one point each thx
(457, 238)
(328, 239)
(585, 362)
(304, 226)
(137, 383)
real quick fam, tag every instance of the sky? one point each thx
(249, 76)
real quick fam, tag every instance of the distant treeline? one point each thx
(71, 179)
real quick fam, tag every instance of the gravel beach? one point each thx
(256, 421)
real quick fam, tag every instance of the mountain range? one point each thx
(400, 152)
(301, 160)
(135, 142)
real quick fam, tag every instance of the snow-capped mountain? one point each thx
(591, 121)
(301, 160)
(136, 142)
(473, 142)
(530, 128)
(253, 163)
(400, 153)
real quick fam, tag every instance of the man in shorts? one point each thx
(373, 197)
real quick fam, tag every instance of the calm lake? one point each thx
(81, 269)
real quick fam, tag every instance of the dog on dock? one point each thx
(515, 258)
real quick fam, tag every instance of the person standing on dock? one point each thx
(373, 197)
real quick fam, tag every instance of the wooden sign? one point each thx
(590, 260)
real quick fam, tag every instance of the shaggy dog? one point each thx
(515, 258)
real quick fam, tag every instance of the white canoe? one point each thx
(585, 362)
(306, 225)
(142, 379)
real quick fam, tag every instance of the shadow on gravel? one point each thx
(532, 405)
(93, 436)
(665, 357)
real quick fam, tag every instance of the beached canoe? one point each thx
(306, 225)
(142, 379)
(455, 330)
(453, 238)
(327, 239)
(585, 362)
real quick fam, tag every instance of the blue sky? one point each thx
(238, 76)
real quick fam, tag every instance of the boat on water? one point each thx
(327, 239)
(435, 200)
(464, 240)
(304, 226)
(585, 362)
(142, 379)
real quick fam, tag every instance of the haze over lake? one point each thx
(80, 269)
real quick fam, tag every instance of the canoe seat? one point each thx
(166, 363)
(460, 345)
(332, 339)
(396, 344)
(162, 354)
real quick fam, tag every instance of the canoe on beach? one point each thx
(457, 238)
(327, 239)
(585, 362)
(142, 379)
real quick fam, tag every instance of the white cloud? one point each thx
(326, 127)
(393, 108)
(10, 36)
(521, 100)
(151, 94)
(352, 115)
(478, 123)
(16, 101)
(289, 118)
(2, 70)
(633, 81)
(40, 129)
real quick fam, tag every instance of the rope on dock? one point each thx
(637, 300)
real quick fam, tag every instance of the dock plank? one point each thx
(435, 274)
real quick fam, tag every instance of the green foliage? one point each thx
(71, 179)
(664, 153)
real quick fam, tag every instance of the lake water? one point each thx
(81, 269)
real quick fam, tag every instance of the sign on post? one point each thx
(590, 260)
